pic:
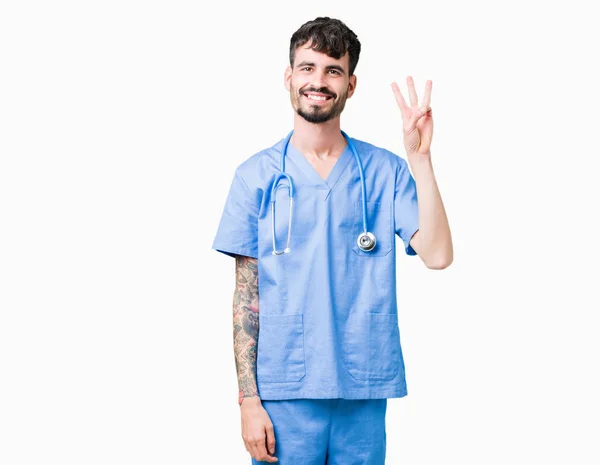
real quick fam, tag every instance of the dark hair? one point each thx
(330, 36)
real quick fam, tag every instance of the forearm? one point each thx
(434, 230)
(245, 325)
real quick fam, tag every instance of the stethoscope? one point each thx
(366, 240)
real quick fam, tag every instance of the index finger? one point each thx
(427, 94)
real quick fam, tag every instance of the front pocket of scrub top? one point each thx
(379, 222)
(280, 353)
(372, 346)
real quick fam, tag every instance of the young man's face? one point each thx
(319, 85)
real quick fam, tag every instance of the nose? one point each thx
(319, 80)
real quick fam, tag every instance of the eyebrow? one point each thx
(309, 63)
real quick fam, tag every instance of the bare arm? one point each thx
(257, 429)
(433, 241)
(245, 325)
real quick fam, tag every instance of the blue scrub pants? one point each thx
(328, 431)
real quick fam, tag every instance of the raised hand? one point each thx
(417, 121)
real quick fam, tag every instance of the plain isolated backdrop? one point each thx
(121, 125)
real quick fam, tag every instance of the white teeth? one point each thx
(316, 97)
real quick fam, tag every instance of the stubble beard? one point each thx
(318, 115)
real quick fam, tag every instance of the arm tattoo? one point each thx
(245, 324)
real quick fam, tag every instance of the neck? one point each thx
(321, 140)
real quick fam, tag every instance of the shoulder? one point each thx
(382, 157)
(258, 168)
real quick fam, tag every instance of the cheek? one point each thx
(343, 92)
(299, 85)
(296, 93)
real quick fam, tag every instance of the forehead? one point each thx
(305, 54)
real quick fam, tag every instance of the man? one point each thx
(316, 337)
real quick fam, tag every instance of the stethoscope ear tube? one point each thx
(290, 188)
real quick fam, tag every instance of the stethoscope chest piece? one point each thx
(366, 241)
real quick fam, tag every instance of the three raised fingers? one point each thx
(414, 100)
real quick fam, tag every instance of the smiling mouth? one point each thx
(317, 98)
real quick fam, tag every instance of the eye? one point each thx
(306, 67)
(335, 71)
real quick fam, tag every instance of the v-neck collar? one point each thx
(333, 176)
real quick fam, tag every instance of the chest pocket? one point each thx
(379, 222)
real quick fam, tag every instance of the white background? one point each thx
(121, 125)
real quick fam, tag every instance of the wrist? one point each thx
(250, 400)
(416, 158)
(419, 161)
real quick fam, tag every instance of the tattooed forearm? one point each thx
(245, 324)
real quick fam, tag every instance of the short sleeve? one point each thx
(237, 233)
(406, 207)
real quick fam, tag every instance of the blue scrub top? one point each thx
(328, 317)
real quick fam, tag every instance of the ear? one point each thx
(287, 77)
(351, 85)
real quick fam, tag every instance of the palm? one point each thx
(417, 121)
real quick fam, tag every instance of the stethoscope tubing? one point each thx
(362, 181)
(290, 187)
